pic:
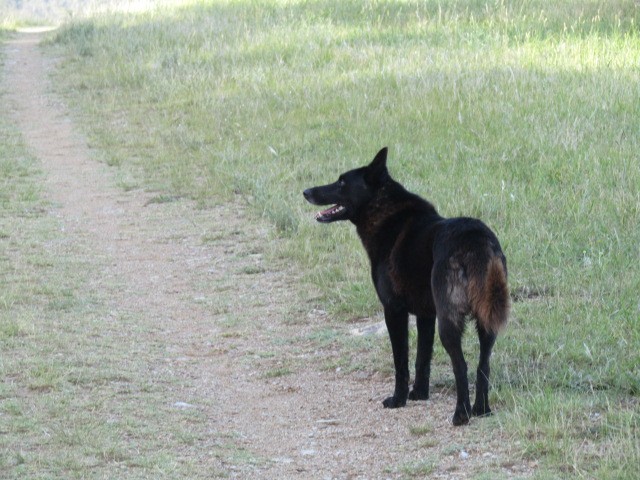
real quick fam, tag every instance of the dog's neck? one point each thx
(390, 201)
(382, 206)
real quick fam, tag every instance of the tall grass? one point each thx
(524, 113)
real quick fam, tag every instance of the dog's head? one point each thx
(353, 190)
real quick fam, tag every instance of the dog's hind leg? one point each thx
(450, 328)
(397, 321)
(426, 330)
(481, 405)
(448, 281)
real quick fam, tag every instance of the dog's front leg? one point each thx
(397, 321)
(426, 330)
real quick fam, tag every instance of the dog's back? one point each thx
(436, 263)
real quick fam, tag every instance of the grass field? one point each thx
(523, 113)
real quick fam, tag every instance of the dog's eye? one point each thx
(341, 182)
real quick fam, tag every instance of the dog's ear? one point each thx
(377, 171)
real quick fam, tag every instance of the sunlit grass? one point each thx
(33, 13)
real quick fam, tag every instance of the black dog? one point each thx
(426, 265)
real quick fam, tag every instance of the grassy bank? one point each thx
(522, 113)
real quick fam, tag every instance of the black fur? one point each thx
(426, 265)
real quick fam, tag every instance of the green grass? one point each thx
(33, 13)
(419, 469)
(523, 113)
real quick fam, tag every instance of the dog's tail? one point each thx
(489, 295)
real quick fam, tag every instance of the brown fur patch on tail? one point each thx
(489, 296)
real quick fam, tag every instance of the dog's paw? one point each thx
(460, 417)
(419, 394)
(394, 402)
(481, 411)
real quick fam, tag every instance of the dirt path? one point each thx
(229, 319)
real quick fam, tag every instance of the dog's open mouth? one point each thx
(330, 213)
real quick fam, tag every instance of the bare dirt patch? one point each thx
(234, 324)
